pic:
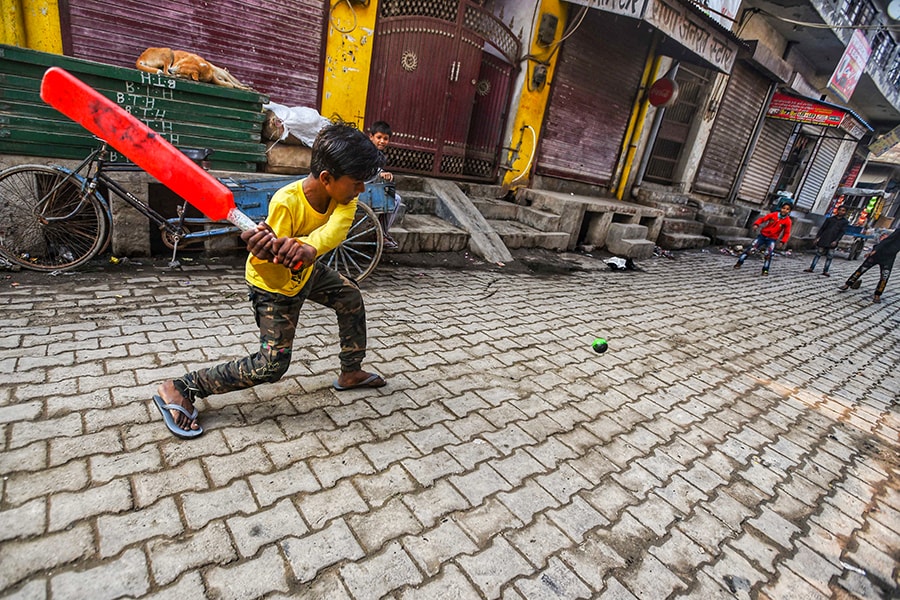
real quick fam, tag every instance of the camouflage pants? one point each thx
(278, 317)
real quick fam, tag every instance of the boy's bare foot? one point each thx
(358, 379)
(170, 395)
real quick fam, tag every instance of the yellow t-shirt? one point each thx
(290, 215)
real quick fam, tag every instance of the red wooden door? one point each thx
(427, 70)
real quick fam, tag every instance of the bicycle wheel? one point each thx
(47, 222)
(359, 253)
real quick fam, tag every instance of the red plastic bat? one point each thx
(143, 146)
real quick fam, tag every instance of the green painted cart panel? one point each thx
(188, 114)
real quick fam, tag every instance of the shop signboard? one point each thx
(801, 110)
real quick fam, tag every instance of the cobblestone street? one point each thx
(739, 439)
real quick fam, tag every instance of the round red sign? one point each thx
(663, 92)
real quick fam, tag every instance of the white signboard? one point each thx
(688, 29)
(628, 8)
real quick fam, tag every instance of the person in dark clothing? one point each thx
(883, 255)
(830, 233)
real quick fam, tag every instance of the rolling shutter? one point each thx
(596, 81)
(274, 47)
(818, 170)
(764, 161)
(735, 123)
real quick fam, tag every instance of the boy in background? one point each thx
(380, 135)
(775, 225)
(830, 233)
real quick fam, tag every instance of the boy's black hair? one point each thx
(380, 127)
(342, 149)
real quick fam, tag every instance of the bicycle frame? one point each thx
(92, 171)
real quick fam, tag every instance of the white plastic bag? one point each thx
(299, 121)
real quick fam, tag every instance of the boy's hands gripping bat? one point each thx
(143, 146)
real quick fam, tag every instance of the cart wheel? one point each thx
(359, 253)
(855, 249)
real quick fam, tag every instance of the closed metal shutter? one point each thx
(764, 161)
(596, 81)
(818, 170)
(735, 123)
(275, 47)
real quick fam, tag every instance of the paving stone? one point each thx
(556, 581)
(202, 507)
(480, 483)
(22, 487)
(332, 469)
(69, 507)
(379, 526)
(431, 467)
(321, 507)
(171, 557)
(432, 548)
(271, 487)
(484, 522)
(223, 469)
(42, 554)
(116, 532)
(189, 586)
(433, 503)
(493, 567)
(452, 584)
(320, 549)
(539, 540)
(125, 576)
(149, 487)
(252, 578)
(23, 521)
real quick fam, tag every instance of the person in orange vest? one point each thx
(775, 225)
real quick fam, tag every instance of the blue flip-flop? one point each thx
(185, 434)
(369, 381)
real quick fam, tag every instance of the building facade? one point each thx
(725, 101)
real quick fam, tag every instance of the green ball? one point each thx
(599, 345)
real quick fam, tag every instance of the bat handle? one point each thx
(239, 219)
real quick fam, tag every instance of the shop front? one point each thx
(800, 147)
(597, 100)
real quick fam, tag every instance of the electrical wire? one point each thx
(879, 27)
(530, 156)
(352, 11)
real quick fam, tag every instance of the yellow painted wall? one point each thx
(530, 106)
(348, 61)
(31, 24)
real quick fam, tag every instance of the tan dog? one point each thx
(186, 65)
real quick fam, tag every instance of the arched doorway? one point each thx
(441, 75)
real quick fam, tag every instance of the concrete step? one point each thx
(681, 241)
(502, 210)
(518, 235)
(684, 226)
(719, 233)
(720, 220)
(629, 240)
(735, 241)
(632, 248)
(674, 210)
(491, 208)
(542, 220)
(428, 233)
(418, 202)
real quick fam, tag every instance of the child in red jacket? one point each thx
(777, 225)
